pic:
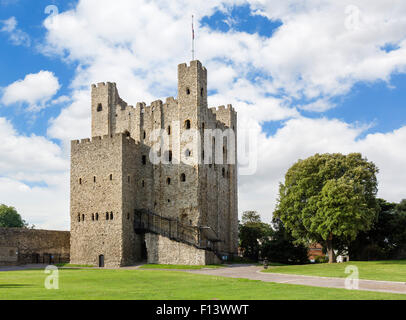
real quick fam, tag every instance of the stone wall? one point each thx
(162, 250)
(25, 246)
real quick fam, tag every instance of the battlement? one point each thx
(105, 138)
(193, 64)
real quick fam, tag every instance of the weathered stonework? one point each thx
(111, 173)
(24, 246)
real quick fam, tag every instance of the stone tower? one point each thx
(182, 209)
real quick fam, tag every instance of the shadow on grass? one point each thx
(13, 285)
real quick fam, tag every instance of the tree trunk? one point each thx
(330, 250)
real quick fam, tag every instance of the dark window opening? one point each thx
(188, 153)
(97, 216)
(92, 216)
(169, 130)
(169, 200)
(127, 134)
(128, 216)
(168, 180)
(143, 183)
(144, 135)
(144, 160)
(99, 107)
(111, 177)
(183, 177)
(107, 216)
(201, 92)
(129, 179)
(80, 180)
(111, 215)
(223, 172)
(187, 91)
(79, 217)
(94, 179)
(187, 124)
(83, 217)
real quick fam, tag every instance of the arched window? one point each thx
(111, 215)
(187, 91)
(183, 177)
(187, 124)
(188, 153)
(107, 216)
(99, 107)
(168, 180)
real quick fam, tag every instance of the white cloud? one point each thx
(16, 36)
(35, 90)
(34, 177)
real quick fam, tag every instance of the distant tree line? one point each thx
(10, 218)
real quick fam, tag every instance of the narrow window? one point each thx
(107, 216)
(203, 126)
(97, 216)
(129, 179)
(111, 177)
(223, 172)
(168, 180)
(128, 216)
(183, 177)
(111, 215)
(83, 217)
(188, 153)
(99, 107)
(79, 217)
(187, 124)
(169, 200)
(144, 160)
(201, 92)
(143, 183)
(187, 91)
(80, 180)
(144, 135)
(92, 216)
(169, 130)
(94, 179)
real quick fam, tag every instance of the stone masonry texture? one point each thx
(24, 246)
(112, 177)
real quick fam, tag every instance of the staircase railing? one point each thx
(147, 221)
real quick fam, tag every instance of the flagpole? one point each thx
(193, 41)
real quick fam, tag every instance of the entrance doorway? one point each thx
(101, 261)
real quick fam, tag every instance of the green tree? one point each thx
(9, 218)
(329, 199)
(252, 233)
(282, 247)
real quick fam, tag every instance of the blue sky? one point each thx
(300, 87)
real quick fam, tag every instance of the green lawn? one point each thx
(180, 267)
(371, 270)
(148, 284)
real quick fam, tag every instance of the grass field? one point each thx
(371, 270)
(155, 285)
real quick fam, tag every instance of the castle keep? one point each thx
(126, 207)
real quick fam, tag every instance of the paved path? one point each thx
(253, 273)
